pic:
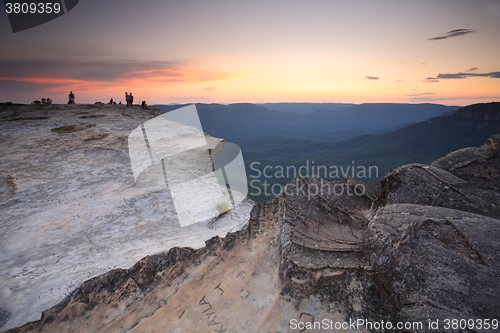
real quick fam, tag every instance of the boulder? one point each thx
(436, 263)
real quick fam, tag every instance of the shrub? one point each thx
(223, 206)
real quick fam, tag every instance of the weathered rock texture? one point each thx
(320, 250)
(244, 282)
(436, 263)
(69, 206)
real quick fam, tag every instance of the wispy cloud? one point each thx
(453, 33)
(109, 70)
(461, 75)
(95, 77)
(422, 94)
(112, 71)
(436, 99)
(472, 69)
(372, 77)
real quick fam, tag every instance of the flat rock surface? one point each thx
(69, 206)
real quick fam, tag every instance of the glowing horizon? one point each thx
(284, 51)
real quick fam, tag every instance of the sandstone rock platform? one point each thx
(69, 206)
(422, 246)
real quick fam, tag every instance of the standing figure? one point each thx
(131, 99)
(71, 98)
(127, 99)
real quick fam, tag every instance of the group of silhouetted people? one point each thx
(128, 97)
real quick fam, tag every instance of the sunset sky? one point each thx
(445, 52)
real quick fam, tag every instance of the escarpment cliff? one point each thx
(422, 247)
(70, 208)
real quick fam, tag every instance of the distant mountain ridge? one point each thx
(243, 121)
(306, 108)
(416, 143)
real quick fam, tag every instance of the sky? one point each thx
(218, 51)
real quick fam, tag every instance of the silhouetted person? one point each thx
(111, 101)
(131, 98)
(71, 98)
(127, 99)
(144, 105)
